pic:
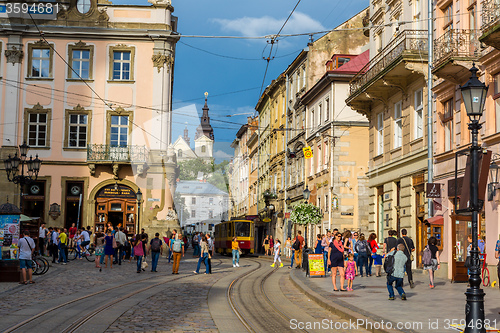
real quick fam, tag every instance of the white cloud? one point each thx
(265, 25)
(222, 154)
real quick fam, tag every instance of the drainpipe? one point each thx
(430, 157)
(285, 144)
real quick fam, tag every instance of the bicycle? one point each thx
(40, 265)
(485, 272)
(87, 253)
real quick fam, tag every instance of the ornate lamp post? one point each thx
(139, 200)
(474, 96)
(32, 168)
(306, 194)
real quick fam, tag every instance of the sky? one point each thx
(232, 70)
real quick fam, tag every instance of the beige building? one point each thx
(75, 98)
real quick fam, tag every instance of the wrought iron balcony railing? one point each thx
(490, 14)
(407, 40)
(108, 153)
(456, 43)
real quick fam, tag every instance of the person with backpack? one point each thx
(394, 266)
(430, 259)
(362, 248)
(156, 249)
(298, 244)
(177, 249)
(409, 248)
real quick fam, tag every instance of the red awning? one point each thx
(435, 220)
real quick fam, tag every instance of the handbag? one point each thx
(468, 262)
(411, 254)
(144, 263)
(114, 243)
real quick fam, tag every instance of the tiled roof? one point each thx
(356, 64)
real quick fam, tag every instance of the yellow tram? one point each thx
(225, 231)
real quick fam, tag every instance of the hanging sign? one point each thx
(307, 152)
(433, 190)
(316, 265)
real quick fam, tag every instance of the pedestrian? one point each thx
(121, 239)
(72, 232)
(398, 272)
(203, 256)
(196, 245)
(63, 245)
(391, 241)
(351, 270)
(497, 256)
(55, 245)
(355, 237)
(277, 253)
(178, 248)
(266, 245)
(435, 263)
(362, 248)
(133, 241)
(77, 241)
(377, 262)
(372, 242)
(347, 243)
(109, 251)
(288, 247)
(210, 244)
(170, 243)
(85, 235)
(409, 248)
(26, 249)
(336, 261)
(99, 249)
(318, 248)
(166, 239)
(235, 247)
(325, 242)
(271, 244)
(298, 251)
(155, 248)
(138, 251)
(42, 233)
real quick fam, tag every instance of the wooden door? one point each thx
(460, 229)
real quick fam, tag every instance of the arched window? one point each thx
(203, 149)
(179, 153)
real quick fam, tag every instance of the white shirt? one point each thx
(86, 237)
(41, 233)
(121, 237)
(24, 248)
(55, 238)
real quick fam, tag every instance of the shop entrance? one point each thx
(116, 205)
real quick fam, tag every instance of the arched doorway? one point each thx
(116, 204)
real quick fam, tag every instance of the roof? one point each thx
(356, 64)
(197, 187)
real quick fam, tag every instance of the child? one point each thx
(351, 270)
(277, 250)
(377, 261)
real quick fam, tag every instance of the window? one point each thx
(448, 17)
(496, 98)
(193, 213)
(119, 131)
(179, 153)
(203, 149)
(210, 214)
(342, 61)
(327, 109)
(448, 124)
(40, 61)
(211, 201)
(398, 126)
(417, 15)
(303, 76)
(81, 64)
(312, 120)
(327, 206)
(320, 110)
(419, 110)
(37, 126)
(193, 200)
(83, 6)
(77, 131)
(121, 63)
(380, 133)
(378, 41)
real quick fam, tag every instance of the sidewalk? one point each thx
(426, 310)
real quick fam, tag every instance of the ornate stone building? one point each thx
(76, 94)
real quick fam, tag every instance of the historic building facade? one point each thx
(77, 97)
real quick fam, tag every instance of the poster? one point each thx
(9, 236)
(316, 265)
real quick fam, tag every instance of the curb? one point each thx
(344, 311)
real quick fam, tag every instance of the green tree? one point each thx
(189, 169)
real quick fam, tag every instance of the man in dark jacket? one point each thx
(409, 248)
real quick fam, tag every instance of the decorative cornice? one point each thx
(159, 60)
(14, 55)
(80, 44)
(41, 42)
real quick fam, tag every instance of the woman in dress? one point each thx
(336, 261)
(318, 248)
(288, 247)
(266, 245)
(372, 241)
(99, 249)
(108, 249)
(277, 252)
(271, 244)
(138, 251)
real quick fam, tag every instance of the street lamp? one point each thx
(12, 169)
(474, 95)
(492, 186)
(139, 200)
(306, 194)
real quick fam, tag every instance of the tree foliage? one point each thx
(306, 213)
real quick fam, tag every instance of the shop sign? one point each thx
(9, 236)
(316, 265)
(122, 192)
(433, 190)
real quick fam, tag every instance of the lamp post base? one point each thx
(474, 311)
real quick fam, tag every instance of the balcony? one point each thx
(393, 67)
(491, 23)
(111, 154)
(454, 53)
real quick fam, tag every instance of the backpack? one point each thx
(296, 244)
(361, 246)
(177, 247)
(427, 256)
(155, 245)
(389, 264)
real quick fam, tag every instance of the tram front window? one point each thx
(242, 229)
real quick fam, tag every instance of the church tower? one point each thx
(204, 137)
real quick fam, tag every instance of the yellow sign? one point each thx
(266, 219)
(316, 265)
(307, 152)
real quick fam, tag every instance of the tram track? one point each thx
(252, 326)
(75, 325)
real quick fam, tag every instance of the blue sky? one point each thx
(232, 70)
